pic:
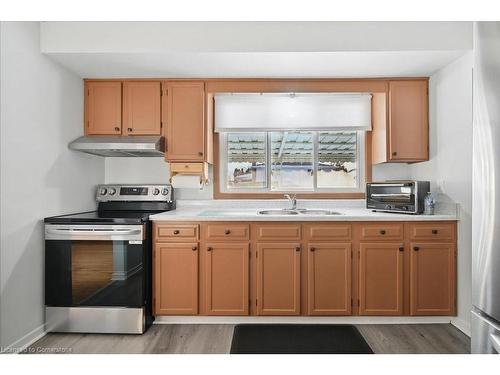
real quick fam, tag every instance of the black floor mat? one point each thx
(298, 339)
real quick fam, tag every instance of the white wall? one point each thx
(450, 166)
(41, 112)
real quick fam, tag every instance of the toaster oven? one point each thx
(397, 196)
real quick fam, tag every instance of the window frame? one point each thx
(220, 174)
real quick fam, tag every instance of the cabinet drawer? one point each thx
(278, 232)
(186, 167)
(381, 231)
(235, 232)
(432, 231)
(177, 232)
(328, 232)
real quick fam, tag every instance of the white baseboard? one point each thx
(462, 325)
(25, 341)
(301, 319)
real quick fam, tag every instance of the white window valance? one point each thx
(250, 112)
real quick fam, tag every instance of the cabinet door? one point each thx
(408, 121)
(278, 278)
(226, 278)
(381, 278)
(176, 279)
(103, 108)
(141, 108)
(432, 279)
(329, 279)
(185, 121)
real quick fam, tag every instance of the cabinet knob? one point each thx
(194, 248)
(176, 231)
(382, 232)
(297, 248)
(209, 248)
(129, 129)
(434, 231)
(227, 231)
(200, 153)
(394, 153)
(117, 129)
(401, 248)
(313, 248)
(416, 248)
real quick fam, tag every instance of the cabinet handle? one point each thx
(129, 129)
(382, 231)
(176, 231)
(416, 248)
(394, 153)
(401, 248)
(200, 153)
(227, 231)
(297, 248)
(117, 129)
(209, 248)
(194, 248)
(434, 231)
(313, 248)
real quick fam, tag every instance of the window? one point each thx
(292, 161)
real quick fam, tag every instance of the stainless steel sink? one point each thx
(318, 212)
(277, 212)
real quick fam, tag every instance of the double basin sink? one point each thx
(279, 212)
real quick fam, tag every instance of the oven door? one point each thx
(95, 265)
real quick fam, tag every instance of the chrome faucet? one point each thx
(293, 201)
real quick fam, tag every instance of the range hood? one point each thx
(120, 146)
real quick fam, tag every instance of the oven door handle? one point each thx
(94, 232)
(390, 195)
(389, 185)
(100, 233)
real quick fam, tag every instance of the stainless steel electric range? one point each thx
(98, 264)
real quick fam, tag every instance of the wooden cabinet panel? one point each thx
(408, 121)
(432, 279)
(103, 108)
(382, 231)
(226, 278)
(184, 120)
(176, 232)
(432, 231)
(227, 232)
(329, 279)
(328, 232)
(278, 231)
(381, 279)
(141, 108)
(278, 278)
(176, 279)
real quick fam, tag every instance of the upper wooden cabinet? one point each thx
(141, 108)
(103, 108)
(185, 121)
(401, 123)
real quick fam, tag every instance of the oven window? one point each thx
(94, 273)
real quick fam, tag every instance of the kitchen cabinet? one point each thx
(103, 108)
(175, 289)
(185, 121)
(432, 278)
(381, 278)
(329, 278)
(401, 123)
(278, 278)
(226, 278)
(141, 108)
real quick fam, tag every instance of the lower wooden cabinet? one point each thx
(381, 278)
(432, 278)
(226, 278)
(278, 278)
(176, 279)
(329, 279)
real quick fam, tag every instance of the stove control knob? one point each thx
(112, 191)
(103, 191)
(156, 191)
(164, 191)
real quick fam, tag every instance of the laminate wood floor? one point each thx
(216, 339)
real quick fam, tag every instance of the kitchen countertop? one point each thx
(239, 210)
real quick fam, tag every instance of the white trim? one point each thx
(301, 319)
(462, 325)
(25, 341)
